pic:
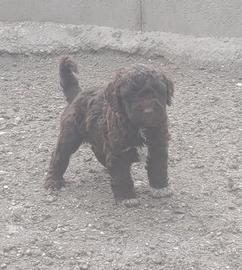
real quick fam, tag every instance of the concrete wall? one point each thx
(113, 13)
(197, 17)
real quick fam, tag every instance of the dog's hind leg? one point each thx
(68, 142)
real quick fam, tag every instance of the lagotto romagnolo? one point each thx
(115, 119)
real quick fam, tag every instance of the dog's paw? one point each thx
(131, 202)
(161, 193)
(52, 184)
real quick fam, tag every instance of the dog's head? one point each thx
(141, 94)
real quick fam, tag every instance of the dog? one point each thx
(116, 119)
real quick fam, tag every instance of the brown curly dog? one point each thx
(129, 112)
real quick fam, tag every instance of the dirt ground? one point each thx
(80, 227)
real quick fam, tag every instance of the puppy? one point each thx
(115, 119)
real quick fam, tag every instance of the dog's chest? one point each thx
(135, 138)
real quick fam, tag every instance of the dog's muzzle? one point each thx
(153, 115)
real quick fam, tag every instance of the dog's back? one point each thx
(68, 80)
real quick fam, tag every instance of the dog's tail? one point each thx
(68, 71)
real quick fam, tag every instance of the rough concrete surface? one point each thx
(26, 38)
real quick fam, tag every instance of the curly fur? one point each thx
(115, 119)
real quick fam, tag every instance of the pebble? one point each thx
(28, 205)
(179, 211)
(28, 252)
(17, 212)
(157, 260)
(47, 261)
(3, 266)
(14, 229)
(87, 159)
(17, 120)
(50, 199)
(110, 259)
(83, 266)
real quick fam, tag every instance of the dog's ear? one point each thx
(115, 124)
(112, 96)
(170, 89)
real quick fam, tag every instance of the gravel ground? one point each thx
(80, 227)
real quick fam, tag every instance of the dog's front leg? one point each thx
(157, 161)
(68, 142)
(121, 180)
